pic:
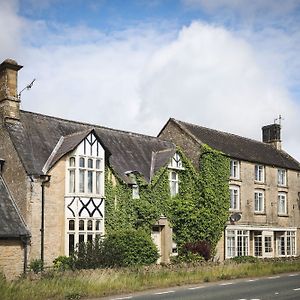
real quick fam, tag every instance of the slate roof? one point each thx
(238, 147)
(36, 136)
(11, 223)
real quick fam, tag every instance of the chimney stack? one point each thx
(9, 101)
(271, 135)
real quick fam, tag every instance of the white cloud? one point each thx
(136, 79)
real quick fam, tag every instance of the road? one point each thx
(281, 287)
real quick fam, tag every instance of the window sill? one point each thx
(260, 213)
(235, 179)
(283, 215)
(259, 182)
(283, 187)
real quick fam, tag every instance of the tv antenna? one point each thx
(278, 120)
(27, 87)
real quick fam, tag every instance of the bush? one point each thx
(129, 248)
(89, 255)
(36, 266)
(200, 248)
(63, 263)
(245, 259)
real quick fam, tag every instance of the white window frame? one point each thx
(237, 242)
(259, 173)
(176, 162)
(174, 183)
(85, 205)
(286, 243)
(234, 197)
(85, 234)
(281, 177)
(135, 191)
(282, 198)
(175, 165)
(234, 169)
(259, 201)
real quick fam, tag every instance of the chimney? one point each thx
(9, 101)
(271, 135)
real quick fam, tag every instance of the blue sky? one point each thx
(226, 64)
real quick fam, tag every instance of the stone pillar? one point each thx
(9, 101)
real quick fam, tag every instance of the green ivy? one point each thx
(198, 212)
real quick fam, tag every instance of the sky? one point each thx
(230, 65)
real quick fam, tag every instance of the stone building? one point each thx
(264, 183)
(54, 177)
(55, 171)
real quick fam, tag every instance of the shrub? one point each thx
(200, 248)
(63, 263)
(36, 266)
(88, 255)
(129, 247)
(245, 259)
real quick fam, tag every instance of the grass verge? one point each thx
(103, 282)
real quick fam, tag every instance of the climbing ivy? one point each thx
(198, 212)
(214, 175)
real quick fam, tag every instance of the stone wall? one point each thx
(55, 213)
(172, 132)
(11, 258)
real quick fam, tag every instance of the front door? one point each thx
(156, 237)
(268, 244)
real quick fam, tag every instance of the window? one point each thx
(234, 169)
(72, 175)
(257, 243)
(135, 192)
(230, 243)
(237, 243)
(176, 162)
(82, 230)
(259, 203)
(281, 179)
(234, 197)
(286, 243)
(259, 173)
(173, 179)
(282, 203)
(242, 242)
(268, 244)
(90, 175)
(290, 243)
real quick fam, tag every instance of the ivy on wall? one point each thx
(198, 212)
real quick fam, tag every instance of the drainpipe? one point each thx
(25, 241)
(44, 180)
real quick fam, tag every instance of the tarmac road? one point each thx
(279, 287)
